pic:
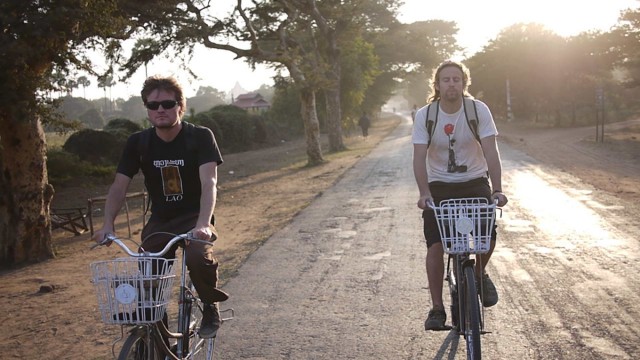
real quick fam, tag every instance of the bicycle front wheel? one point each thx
(197, 347)
(140, 345)
(471, 315)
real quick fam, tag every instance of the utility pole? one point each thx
(509, 113)
(599, 114)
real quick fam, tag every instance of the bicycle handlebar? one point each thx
(109, 238)
(429, 203)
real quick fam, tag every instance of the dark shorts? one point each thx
(444, 191)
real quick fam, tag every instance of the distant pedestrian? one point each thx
(364, 123)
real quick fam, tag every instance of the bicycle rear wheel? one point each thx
(140, 345)
(197, 347)
(471, 315)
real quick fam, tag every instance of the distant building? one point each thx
(252, 102)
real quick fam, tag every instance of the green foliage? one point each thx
(407, 55)
(92, 119)
(132, 108)
(552, 80)
(284, 114)
(63, 166)
(125, 126)
(72, 108)
(96, 147)
(205, 99)
(625, 41)
(359, 71)
(122, 129)
(233, 128)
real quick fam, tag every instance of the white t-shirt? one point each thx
(468, 159)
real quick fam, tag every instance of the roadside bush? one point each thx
(204, 119)
(63, 166)
(122, 128)
(96, 147)
(92, 119)
(233, 127)
(121, 124)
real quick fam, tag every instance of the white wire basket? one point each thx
(465, 225)
(133, 290)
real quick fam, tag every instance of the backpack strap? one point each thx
(143, 150)
(470, 111)
(472, 116)
(143, 143)
(432, 119)
(189, 136)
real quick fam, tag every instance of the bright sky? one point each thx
(478, 22)
(481, 21)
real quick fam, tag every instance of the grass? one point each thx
(56, 140)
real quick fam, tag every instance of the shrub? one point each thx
(63, 166)
(235, 124)
(121, 124)
(92, 119)
(122, 128)
(233, 127)
(96, 147)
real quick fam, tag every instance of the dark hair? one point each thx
(170, 83)
(435, 79)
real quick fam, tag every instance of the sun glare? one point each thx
(481, 21)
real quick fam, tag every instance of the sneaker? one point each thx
(210, 321)
(435, 319)
(490, 296)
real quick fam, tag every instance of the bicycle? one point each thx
(465, 227)
(135, 291)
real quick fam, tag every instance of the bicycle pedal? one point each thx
(227, 318)
(442, 328)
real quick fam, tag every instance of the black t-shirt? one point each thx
(171, 169)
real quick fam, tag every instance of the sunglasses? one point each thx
(166, 104)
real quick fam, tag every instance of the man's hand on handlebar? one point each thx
(425, 201)
(500, 197)
(101, 236)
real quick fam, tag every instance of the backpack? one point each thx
(471, 116)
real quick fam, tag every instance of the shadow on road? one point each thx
(449, 346)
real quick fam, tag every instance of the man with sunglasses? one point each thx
(179, 165)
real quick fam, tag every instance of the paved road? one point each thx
(346, 280)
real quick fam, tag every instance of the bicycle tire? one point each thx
(138, 346)
(471, 315)
(197, 347)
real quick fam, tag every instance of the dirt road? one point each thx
(345, 280)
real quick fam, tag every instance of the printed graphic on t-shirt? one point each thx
(171, 181)
(452, 165)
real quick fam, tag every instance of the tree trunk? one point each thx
(311, 126)
(333, 74)
(334, 119)
(25, 195)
